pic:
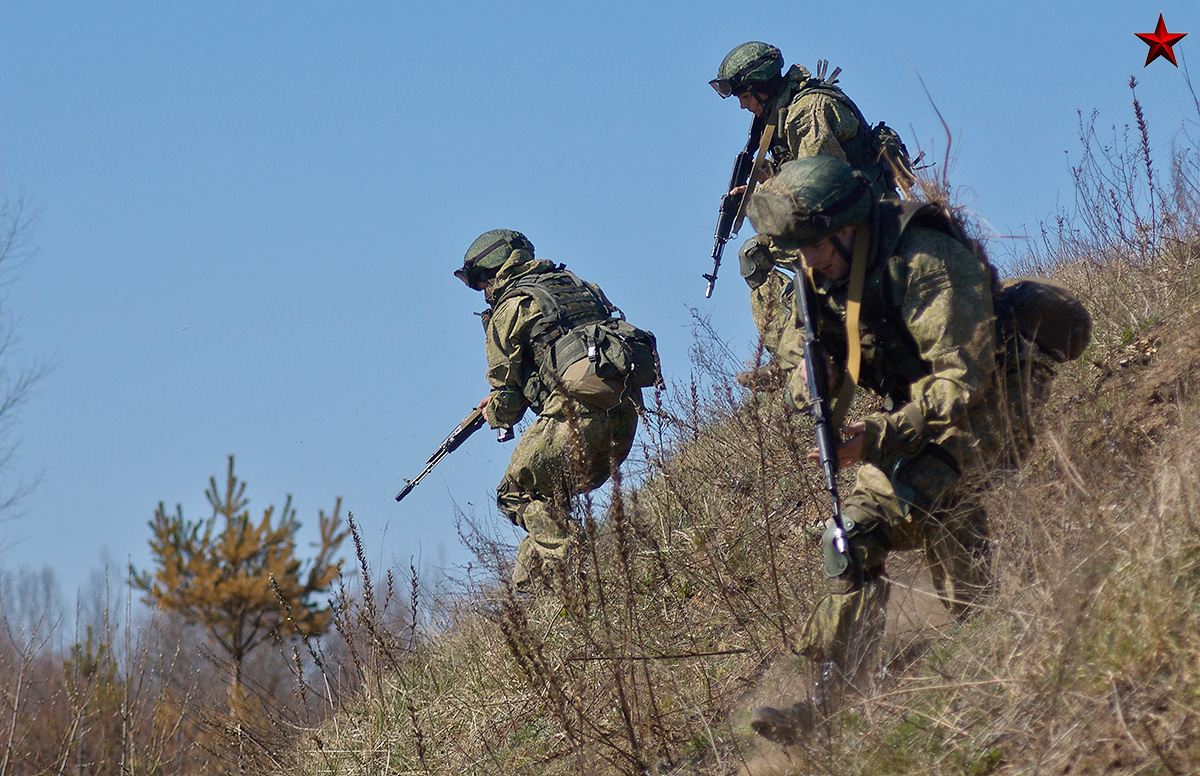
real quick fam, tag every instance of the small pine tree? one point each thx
(241, 580)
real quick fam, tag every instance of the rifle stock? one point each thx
(469, 425)
(731, 203)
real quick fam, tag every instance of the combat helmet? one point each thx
(490, 250)
(810, 199)
(750, 64)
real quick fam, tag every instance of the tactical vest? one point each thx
(567, 304)
(582, 345)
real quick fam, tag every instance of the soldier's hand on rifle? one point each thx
(738, 191)
(831, 374)
(850, 449)
(503, 434)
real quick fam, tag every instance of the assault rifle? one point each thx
(469, 425)
(820, 408)
(730, 215)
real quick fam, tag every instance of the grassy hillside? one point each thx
(680, 614)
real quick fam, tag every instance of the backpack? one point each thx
(893, 158)
(583, 342)
(1048, 313)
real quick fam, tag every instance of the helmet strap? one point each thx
(842, 250)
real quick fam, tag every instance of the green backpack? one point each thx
(1048, 313)
(584, 343)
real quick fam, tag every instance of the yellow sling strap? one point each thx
(764, 144)
(858, 275)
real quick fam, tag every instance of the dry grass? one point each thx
(679, 615)
(646, 653)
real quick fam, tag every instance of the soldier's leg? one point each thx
(958, 552)
(844, 631)
(604, 441)
(555, 459)
(533, 494)
(847, 626)
(953, 527)
(771, 317)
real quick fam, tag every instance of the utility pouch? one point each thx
(609, 358)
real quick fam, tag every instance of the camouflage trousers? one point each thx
(556, 459)
(926, 504)
(772, 313)
(920, 507)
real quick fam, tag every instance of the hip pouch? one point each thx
(599, 362)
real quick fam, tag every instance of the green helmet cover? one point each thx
(490, 250)
(810, 199)
(747, 65)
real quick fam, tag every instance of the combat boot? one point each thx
(797, 722)
(784, 726)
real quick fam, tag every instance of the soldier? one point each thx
(957, 389)
(537, 326)
(813, 117)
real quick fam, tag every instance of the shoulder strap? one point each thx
(858, 273)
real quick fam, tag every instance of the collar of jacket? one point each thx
(794, 80)
(519, 264)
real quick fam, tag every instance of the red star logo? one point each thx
(1160, 42)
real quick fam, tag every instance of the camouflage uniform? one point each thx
(814, 118)
(958, 389)
(572, 447)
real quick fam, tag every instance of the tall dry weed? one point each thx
(678, 614)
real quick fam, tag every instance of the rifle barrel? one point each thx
(820, 410)
(469, 425)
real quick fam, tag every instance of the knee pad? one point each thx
(756, 262)
(865, 540)
(921, 481)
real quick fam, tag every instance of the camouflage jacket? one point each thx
(510, 325)
(818, 119)
(928, 336)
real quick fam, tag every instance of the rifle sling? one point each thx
(858, 274)
(764, 144)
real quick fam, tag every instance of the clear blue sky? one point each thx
(250, 213)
